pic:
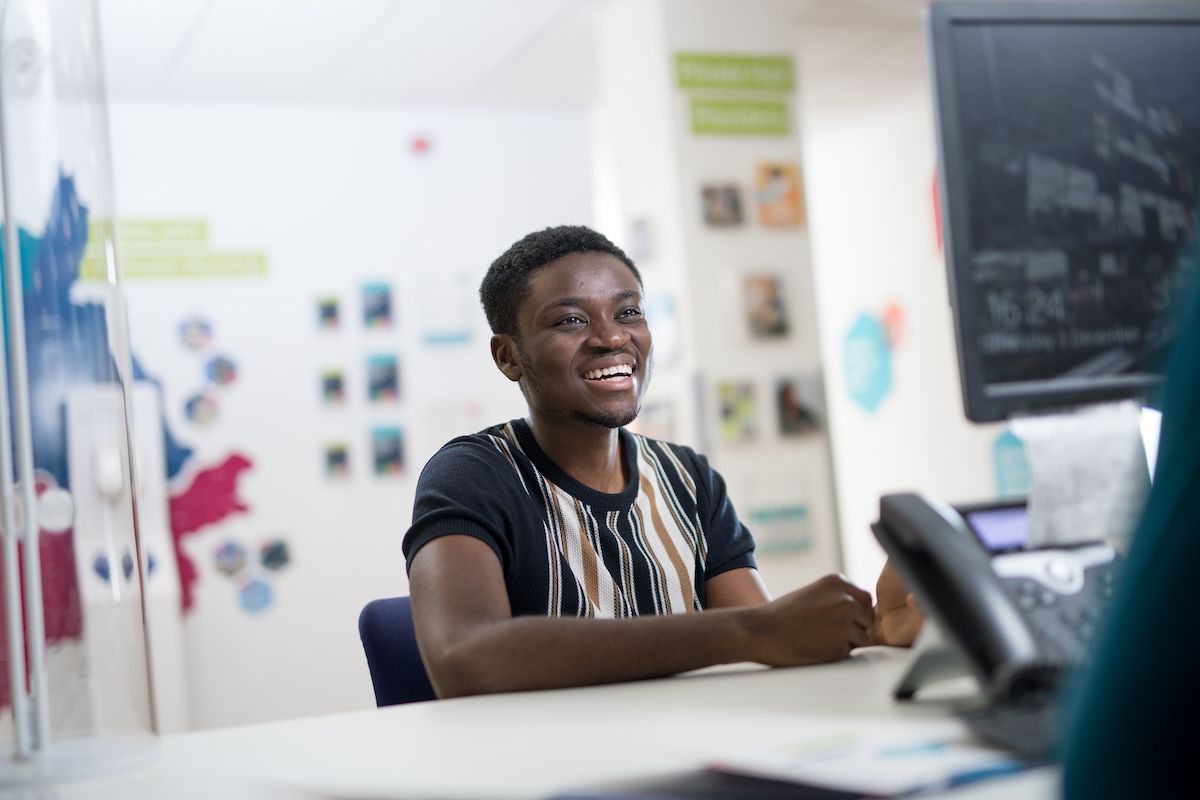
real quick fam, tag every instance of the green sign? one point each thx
(166, 248)
(739, 117)
(149, 231)
(757, 73)
(209, 265)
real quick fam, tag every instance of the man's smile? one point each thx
(609, 373)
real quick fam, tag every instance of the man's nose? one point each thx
(608, 334)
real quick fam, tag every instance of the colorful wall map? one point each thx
(68, 346)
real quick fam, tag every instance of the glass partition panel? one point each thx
(74, 681)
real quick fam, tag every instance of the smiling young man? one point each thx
(562, 550)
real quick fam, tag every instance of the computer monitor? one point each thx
(1069, 149)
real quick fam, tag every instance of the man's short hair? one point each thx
(506, 283)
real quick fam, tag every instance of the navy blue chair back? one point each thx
(390, 642)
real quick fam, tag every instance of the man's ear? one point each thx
(504, 353)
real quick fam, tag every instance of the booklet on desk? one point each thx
(875, 765)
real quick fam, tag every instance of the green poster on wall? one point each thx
(739, 117)
(166, 248)
(740, 72)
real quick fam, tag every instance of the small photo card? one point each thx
(201, 408)
(738, 411)
(337, 460)
(333, 387)
(377, 305)
(722, 203)
(780, 195)
(766, 311)
(387, 449)
(781, 527)
(655, 421)
(329, 316)
(383, 379)
(798, 404)
(196, 333)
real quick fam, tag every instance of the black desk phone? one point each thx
(1015, 617)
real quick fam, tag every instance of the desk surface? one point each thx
(517, 745)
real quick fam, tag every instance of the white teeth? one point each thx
(608, 372)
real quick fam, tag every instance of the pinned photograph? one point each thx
(781, 526)
(446, 307)
(274, 554)
(780, 195)
(722, 203)
(337, 460)
(195, 333)
(387, 449)
(766, 312)
(641, 240)
(230, 558)
(798, 404)
(383, 379)
(738, 411)
(255, 596)
(333, 387)
(200, 409)
(221, 370)
(656, 421)
(377, 305)
(328, 313)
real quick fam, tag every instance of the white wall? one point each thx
(869, 152)
(334, 197)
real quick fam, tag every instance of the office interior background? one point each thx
(308, 193)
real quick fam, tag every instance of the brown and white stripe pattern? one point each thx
(597, 558)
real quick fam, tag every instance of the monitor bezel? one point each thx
(956, 240)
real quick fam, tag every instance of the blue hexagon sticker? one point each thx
(867, 361)
(1013, 478)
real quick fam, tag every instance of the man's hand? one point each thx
(897, 619)
(820, 622)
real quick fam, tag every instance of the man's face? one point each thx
(583, 346)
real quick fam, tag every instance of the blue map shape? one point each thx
(67, 343)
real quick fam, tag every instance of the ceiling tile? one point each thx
(140, 37)
(437, 51)
(273, 47)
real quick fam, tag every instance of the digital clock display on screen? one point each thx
(1080, 146)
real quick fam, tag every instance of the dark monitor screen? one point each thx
(1069, 139)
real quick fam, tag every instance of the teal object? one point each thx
(1132, 730)
(27, 246)
(1013, 477)
(867, 362)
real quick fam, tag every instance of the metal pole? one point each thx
(18, 377)
(12, 575)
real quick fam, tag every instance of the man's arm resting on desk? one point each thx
(472, 644)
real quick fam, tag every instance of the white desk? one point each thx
(517, 745)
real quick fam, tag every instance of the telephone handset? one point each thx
(1014, 617)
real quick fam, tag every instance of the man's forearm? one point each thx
(553, 652)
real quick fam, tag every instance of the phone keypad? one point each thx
(1065, 625)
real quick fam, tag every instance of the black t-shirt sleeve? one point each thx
(468, 488)
(730, 545)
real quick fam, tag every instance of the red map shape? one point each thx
(61, 612)
(211, 498)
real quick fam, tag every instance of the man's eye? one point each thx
(630, 312)
(574, 319)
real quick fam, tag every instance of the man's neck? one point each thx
(589, 453)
